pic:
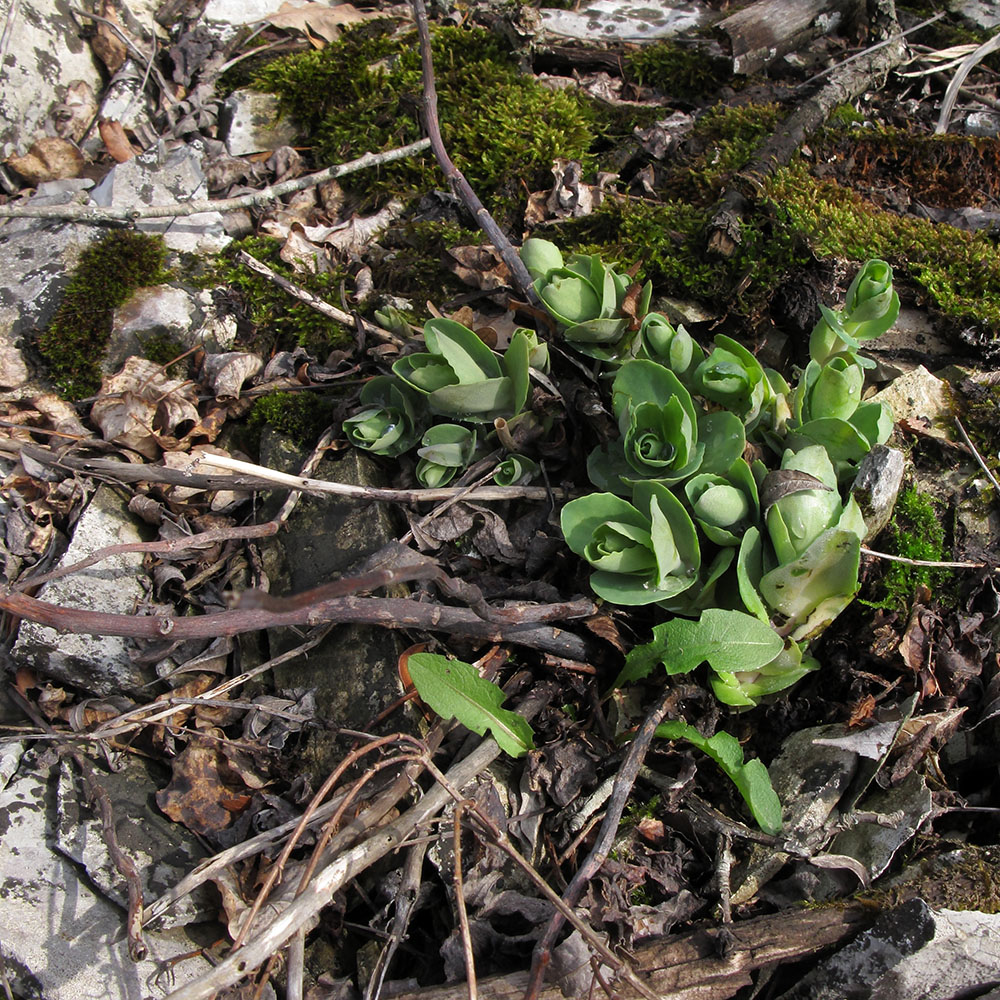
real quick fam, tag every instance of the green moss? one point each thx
(303, 416)
(108, 272)
(276, 320)
(682, 71)
(959, 271)
(915, 532)
(363, 93)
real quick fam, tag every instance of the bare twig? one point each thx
(461, 187)
(314, 302)
(296, 965)
(620, 793)
(975, 452)
(463, 915)
(951, 94)
(930, 563)
(130, 213)
(342, 869)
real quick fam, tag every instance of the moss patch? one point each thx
(303, 416)
(682, 71)
(273, 319)
(915, 532)
(108, 272)
(363, 92)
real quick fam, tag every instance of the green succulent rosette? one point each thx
(673, 347)
(724, 507)
(445, 450)
(389, 422)
(732, 377)
(871, 307)
(461, 378)
(516, 470)
(642, 552)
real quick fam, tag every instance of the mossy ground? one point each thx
(502, 129)
(271, 318)
(303, 416)
(109, 270)
(678, 70)
(915, 532)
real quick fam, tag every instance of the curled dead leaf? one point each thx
(226, 373)
(74, 113)
(107, 41)
(115, 141)
(319, 22)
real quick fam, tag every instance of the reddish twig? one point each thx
(461, 187)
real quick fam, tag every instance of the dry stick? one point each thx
(966, 67)
(463, 915)
(130, 213)
(296, 965)
(845, 84)
(620, 793)
(172, 546)
(314, 302)
(123, 863)
(456, 179)
(975, 451)
(346, 866)
(931, 563)
(259, 477)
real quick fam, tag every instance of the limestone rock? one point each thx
(249, 123)
(61, 940)
(159, 177)
(160, 311)
(100, 664)
(42, 51)
(876, 487)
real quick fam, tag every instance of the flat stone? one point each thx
(914, 952)
(983, 13)
(918, 395)
(99, 664)
(233, 13)
(249, 122)
(42, 52)
(157, 311)
(163, 852)
(354, 671)
(61, 939)
(632, 21)
(159, 177)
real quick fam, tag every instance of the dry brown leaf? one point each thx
(116, 141)
(479, 266)
(306, 257)
(107, 43)
(49, 159)
(197, 796)
(140, 408)
(192, 462)
(60, 415)
(320, 23)
(225, 373)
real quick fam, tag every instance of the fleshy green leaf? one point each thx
(728, 640)
(750, 778)
(454, 689)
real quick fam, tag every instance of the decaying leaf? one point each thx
(49, 159)
(74, 113)
(320, 23)
(107, 43)
(140, 408)
(59, 415)
(193, 462)
(116, 141)
(226, 373)
(479, 266)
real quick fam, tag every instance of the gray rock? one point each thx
(249, 123)
(158, 311)
(233, 13)
(100, 664)
(876, 487)
(644, 20)
(913, 952)
(159, 177)
(61, 940)
(983, 13)
(40, 52)
(354, 671)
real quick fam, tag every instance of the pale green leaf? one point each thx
(454, 689)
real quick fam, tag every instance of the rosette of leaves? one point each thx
(642, 552)
(444, 451)
(461, 378)
(515, 470)
(817, 545)
(724, 507)
(673, 347)
(389, 422)
(870, 308)
(732, 377)
(664, 435)
(827, 410)
(585, 296)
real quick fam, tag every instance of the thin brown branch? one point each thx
(929, 563)
(463, 914)
(975, 452)
(456, 179)
(315, 302)
(130, 213)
